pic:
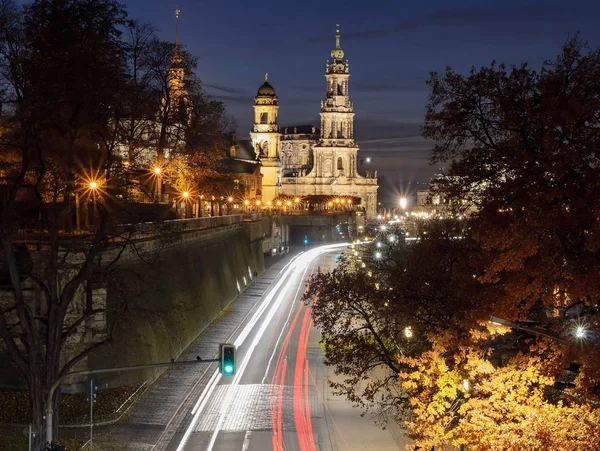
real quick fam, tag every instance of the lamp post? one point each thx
(186, 196)
(157, 172)
(93, 187)
(531, 330)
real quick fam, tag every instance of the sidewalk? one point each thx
(349, 431)
(164, 407)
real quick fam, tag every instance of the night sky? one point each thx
(391, 47)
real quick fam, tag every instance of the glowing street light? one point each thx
(408, 332)
(378, 244)
(368, 159)
(246, 202)
(258, 202)
(186, 194)
(378, 255)
(157, 170)
(580, 332)
(93, 185)
(403, 203)
(278, 202)
(230, 199)
(297, 200)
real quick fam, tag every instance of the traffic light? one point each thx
(227, 359)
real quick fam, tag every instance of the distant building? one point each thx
(306, 161)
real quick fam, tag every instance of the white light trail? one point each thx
(298, 268)
(297, 264)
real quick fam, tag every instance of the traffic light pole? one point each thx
(56, 384)
(91, 414)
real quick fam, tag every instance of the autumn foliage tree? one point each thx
(522, 152)
(72, 90)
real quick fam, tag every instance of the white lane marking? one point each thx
(305, 259)
(203, 395)
(246, 441)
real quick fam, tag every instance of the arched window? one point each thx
(340, 164)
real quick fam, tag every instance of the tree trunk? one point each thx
(38, 392)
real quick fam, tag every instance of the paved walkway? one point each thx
(165, 406)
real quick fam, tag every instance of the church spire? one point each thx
(177, 11)
(176, 58)
(337, 53)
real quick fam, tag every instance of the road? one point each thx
(278, 399)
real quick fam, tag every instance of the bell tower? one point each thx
(177, 102)
(335, 154)
(265, 139)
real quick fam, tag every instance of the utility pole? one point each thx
(92, 400)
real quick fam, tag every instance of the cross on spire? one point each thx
(177, 11)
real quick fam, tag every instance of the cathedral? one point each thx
(307, 162)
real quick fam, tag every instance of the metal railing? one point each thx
(179, 224)
(141, 230)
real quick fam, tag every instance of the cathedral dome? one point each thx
(266, 90)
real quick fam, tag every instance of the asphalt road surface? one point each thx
(278, 398)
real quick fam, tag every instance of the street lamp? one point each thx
(532, 330)
(377, 255)
(580, 332)
(465, 384)
(186, 194)
(403, 203)
(408, 332)
(93, 185)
